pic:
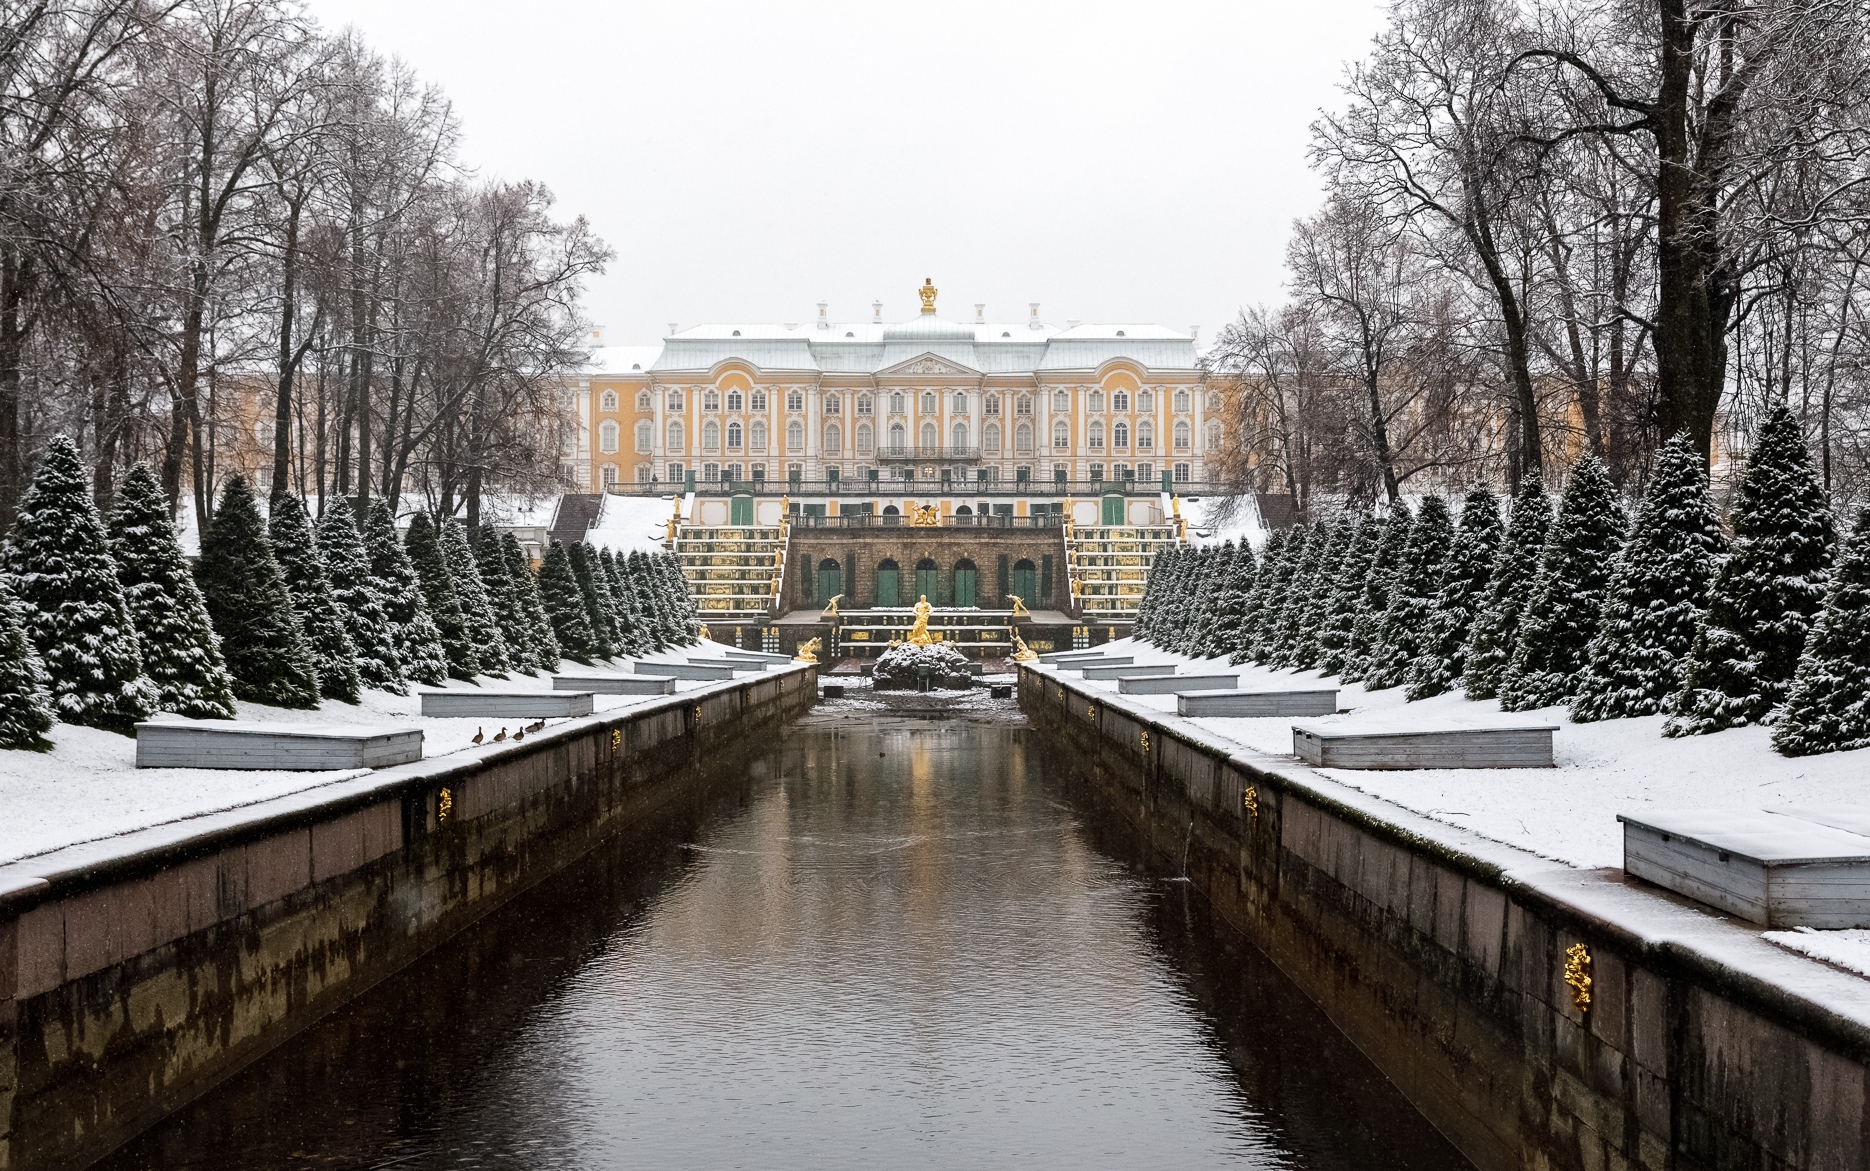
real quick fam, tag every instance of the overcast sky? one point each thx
(1114, 162)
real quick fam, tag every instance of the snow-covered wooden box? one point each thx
(1404, 742)
(1123, 671)
(1317, 701)
(754, 657)
(685, 670)
(1779, 868)
(1061, 658)
(478, 702)
(616, 684)
(740, 665)
(1170, 684)
(240, 744)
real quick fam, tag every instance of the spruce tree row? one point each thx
(1579, 605)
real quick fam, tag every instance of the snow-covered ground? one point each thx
(629, 523)
(89, 787)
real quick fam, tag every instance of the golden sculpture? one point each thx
(1019, 607)
(919, 633)
(831, 609)
(703, 632)
(925, 516)
(1024, 654)
(1578, 975)
(927, 293)
(808, 652)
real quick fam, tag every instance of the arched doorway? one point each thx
(889, 583)
(1026, 582)
(966, 583)
(830, 580)
(926, 578)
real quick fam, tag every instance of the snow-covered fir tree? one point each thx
(181, 653)
(1765, 595)
(1288, 591)
(594, 611)
(70, 603)
(1206, 628)
(1176, 611)
(1495, 631)
(1414, 589)
(354, 589)
(502, 600)
(261, 640)
(1463, 589)
(1374, 601)
(1827, 708)
(308, 584)
(632, 628)
(1159, 567)
(1345, 581)
(423, 544)
(1230, 601)
(564, 605)
(398, 586)
(26, 711)
(541, 643)
(490, 649)
(1332, 540)
(1298, 623)
(687, 616)
(1567, 598)
(1656, 595)
(1253, 634)
(639, 570)
(606, 586)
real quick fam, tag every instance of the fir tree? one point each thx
(564, 605)
(502, 601)
(1403, 635)
(1152, 591)
(684, 601)
(26, 708)
(605, 583)
(1220, 559)
(542, 644)
(1765, 594)
(398, 586)
(1828, 706)
(334, 655)
(424, 546)
(1346, 583)
(1230, 601)
(1495, 632)
(1657, 594)
(639, 571)
(1374, 601)
(247, 601)
(181, 655)
(594, 612)
(70, 603)
(1463, 589)
(1169, 624)
(632, 636)
(1567, 598)
(1253, 634)
(354, 589)
(1288, 587)
(1311, 592)
(490, 650)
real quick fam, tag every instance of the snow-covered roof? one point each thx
(873, 346)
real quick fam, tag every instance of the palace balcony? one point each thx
(934, 455)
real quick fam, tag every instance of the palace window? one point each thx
(1119, 400)
(834, 439)
(896, 404)
(711, 436)
(642, 403)
(960, 436)
(929, 437)
(795, 399)
(795, 436)
(675, 473)
(863, 439)
(833, 405)
(928, 404)
(731, 473)
(1145, 401)
(711, 472)
(645, 472)
(1214, 437)
(758, 402)
(1145, 472)
(759, 473)
(608, 476)
(1181, 473)
(734, 435)
(1120, 435)
(1181, 401)
(675, 399)
(899, 438)
(1097, 471)
(608, 403)
(1022, 406)
(1097, 402)
(1145, 435)
(1022, 439)
(710, 399)
(960, 404)
(677, 437)
(734, 399)
(1061, 436)
(1061, 401)
(1214, 400)
(1121, 472)
(757, 435)
(991, 406)
(645, 435)
(863, 404)
(1181, 435)
(990, 438)
(1096, 442)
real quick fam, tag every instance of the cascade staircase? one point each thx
(1108, 566)
(733, 571)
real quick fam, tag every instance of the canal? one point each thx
(896, 943)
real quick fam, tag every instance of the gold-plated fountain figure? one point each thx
(919, 633)
(1024, 653)
(808, 651)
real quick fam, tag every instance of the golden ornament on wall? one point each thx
(1578, 975)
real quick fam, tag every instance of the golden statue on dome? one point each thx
(919, 633)
(927, 293)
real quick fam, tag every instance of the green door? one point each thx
(1026, 582)
(926, 575)
(966, 584)
(1113, 510)
(830, 580)
(889, 584)
(740, 510)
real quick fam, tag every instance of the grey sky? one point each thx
(1112, 162)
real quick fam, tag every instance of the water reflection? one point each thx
(902, 949)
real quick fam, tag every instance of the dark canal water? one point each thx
(896, 945)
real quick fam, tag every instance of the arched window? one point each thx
(1145, 435)
(675, 398)
(609, 476)
(1061, 436)
(644, 472)
(1097, 436)
(966, 583)
(711, 436)
(795, 436)
(734, 435)
(757, 435)
(889, 575)
(756, 401)
(1145, 401)
(991, 405)
(1181, 400)
(830, 579)
(677, 438)
(1025, 581)
(926, 580)
(642, 402)
(863, 439)
(928, 404)
(607, 436)
(795, 399)
(959, 440)
(1061, 401)
(645, 435)
(1022, 438)
(1119, 400)
(960, 404)
(896, 404)
(834, 439)
(1181, 435)
(734, 399)
(929, 438)
(609, 401)
(710, 399)
(1120, 434)
(1022, 406)
(833, 405)
(899, 438)
(1097, 402)
(1214, 437)
(990, 439)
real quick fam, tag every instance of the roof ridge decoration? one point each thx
(927, 292)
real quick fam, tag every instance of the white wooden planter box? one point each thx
(1125, 671)
(237, 744)
(1066, 658)
(1170, 684)
(616, 684)
(1314, 702)
(506, 703)
(684, 670)
(754, 657)
(1406, 744)
(746, 666)
(1768, 867)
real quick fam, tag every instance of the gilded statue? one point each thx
(1024, 654)
(926, 516)
(808, 652)
(703, 632)
(831, 610)
(927, 293)
(1019, 607)
(919, 633)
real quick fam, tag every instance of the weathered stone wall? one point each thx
(1702, 1047)
(865, 548)
(137, 972)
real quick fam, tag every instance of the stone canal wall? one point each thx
(1446, 958)
(137, 972)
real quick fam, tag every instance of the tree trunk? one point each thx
(12, 343)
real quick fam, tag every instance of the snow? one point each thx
(629, 523)
(88, 787)
(1208, 526)
(1849, 949)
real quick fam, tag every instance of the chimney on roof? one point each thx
(980, 313)
(672, 329)
(822, 323)
(1034, 323)
(1194, 333)
(876, 307)
(1073, 324)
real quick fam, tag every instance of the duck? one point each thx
(535, 726)
(500, 735)
(519, 735)
(478, 736)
